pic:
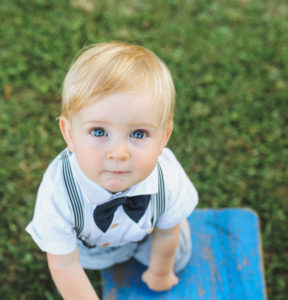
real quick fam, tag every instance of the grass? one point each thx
(230, 65)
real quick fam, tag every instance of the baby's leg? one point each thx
(103, 257)
(183, 253)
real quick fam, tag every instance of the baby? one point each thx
(116, 192)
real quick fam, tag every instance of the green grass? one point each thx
(229, 60)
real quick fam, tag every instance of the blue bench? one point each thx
(226, 262)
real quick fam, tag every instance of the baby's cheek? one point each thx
(147, 164)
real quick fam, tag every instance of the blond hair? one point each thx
(115, 67)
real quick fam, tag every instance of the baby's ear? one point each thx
(167, 133)
(66, 130)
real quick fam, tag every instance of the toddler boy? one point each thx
(116, 192)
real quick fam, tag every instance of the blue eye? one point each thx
(99, 132)
(138, 134)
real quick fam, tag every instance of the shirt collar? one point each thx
(96, 194)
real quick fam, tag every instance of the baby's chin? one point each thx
(115, 187)
(115, 183)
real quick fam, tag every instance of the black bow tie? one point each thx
(134, 207)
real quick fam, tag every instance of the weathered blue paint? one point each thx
(226, 263)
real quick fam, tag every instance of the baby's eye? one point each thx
(139, 134)
(98, 132)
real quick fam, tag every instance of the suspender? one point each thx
(157, 200)
(73, 194)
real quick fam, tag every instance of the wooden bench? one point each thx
(226, 262)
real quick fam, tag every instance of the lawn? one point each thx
(229, 60)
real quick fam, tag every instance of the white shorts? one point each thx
(103, 257)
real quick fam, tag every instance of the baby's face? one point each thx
(118, 139)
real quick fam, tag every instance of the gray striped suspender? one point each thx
(73, 194)
(157, 200)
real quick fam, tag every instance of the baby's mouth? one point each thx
(117, 172)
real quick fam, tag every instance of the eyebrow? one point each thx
(95, 121)
(108, 123)
(145, 125)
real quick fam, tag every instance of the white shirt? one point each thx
(52, 224)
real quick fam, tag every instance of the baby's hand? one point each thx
(159, 283)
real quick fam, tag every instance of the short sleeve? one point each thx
(52, 225)
(181, 195)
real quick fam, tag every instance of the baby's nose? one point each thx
(118, 152)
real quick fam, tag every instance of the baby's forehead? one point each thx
(130, 105)
(138, 96)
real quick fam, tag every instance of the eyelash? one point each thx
(145, 133)
(99, 129)
(104, 133)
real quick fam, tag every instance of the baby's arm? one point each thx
(69, 277)
(160, 276)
